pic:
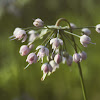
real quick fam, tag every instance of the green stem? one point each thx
(72, 34)
(82, 82)
(83, 27)
(75, 47)
(80, 71)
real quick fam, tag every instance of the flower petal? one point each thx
(52, 40)
(40, 46)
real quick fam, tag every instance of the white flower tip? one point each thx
(43, 77)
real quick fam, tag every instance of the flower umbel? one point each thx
(55, 46)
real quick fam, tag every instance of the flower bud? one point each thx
(31, 58)
(46, 68)
(19, 34)
(83, 55)
(69, 60)
(98, 28)
(57, 58)
(85, 40)
(24, 50)
(63, 59)
(38, 23)
(32, 36)
(76, 57)
(86, 31)
(16, 30)
(72, 25)
(54, 65)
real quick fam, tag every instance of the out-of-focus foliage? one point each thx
(12, 7)
(19, 84)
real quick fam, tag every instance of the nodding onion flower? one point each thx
(42, 52)
(55, 43)
(38, 22)
(24, 50)
(85, 40)
(55, 46)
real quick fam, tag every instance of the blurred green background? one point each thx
(19, 84)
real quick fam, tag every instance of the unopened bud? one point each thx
(83, 55)
(86, 31)
(24, 50)
(76, 57)
(69, 60)
(85, 40)
(38, 22)
(31, 58)
(57, 58)
(72, 25)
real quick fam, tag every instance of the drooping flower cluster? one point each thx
(54, 46)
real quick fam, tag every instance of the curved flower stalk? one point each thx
(54, 46)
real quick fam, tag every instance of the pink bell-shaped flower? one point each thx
(57, 58)
(32, 36)
(24, 50)
(31, 58)
(38, 22)
(42, 52)
(86, 31)
(69, 60)
(76, 57)
(85, 40)
(83, 55)
(56, 42)
(54, 65)
(19, 34)
(46, 68)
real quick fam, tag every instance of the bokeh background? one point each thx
(19, 84)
